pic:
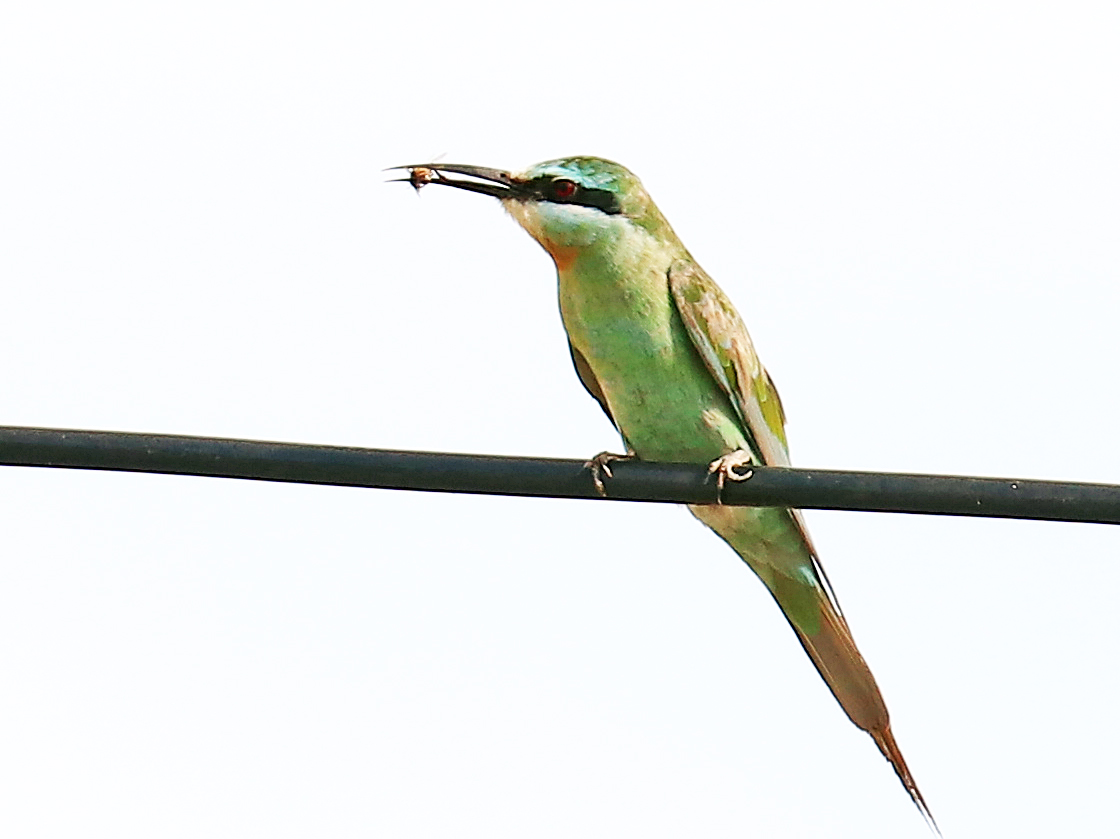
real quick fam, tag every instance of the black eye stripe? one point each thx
(600, 199)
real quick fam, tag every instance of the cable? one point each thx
(546, 477)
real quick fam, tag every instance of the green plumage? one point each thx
(663, 351)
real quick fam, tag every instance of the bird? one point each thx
(663, 351)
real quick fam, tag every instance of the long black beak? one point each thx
(493, 182)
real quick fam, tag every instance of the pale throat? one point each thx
(571, 233)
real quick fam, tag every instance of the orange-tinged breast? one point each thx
(562, 256)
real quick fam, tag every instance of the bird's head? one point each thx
(569, 205)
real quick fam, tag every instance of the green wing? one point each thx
(721, 339)
(589, 382)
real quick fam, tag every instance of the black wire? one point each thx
(552, 478)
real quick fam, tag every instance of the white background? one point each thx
(915, 209)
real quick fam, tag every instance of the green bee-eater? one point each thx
(663, 351)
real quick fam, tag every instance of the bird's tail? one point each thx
(838, 660)
(774, 544)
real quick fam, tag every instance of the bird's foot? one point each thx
(724, 469)
(601, 465)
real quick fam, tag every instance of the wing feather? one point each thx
(590, 383)
(722, 340)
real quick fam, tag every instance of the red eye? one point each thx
(562, 188)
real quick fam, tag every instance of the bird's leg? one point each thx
(724, 469)
(601, 465)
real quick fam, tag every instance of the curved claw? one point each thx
(601, 465)
(724, 469)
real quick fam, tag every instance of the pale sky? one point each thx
(914, 208)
